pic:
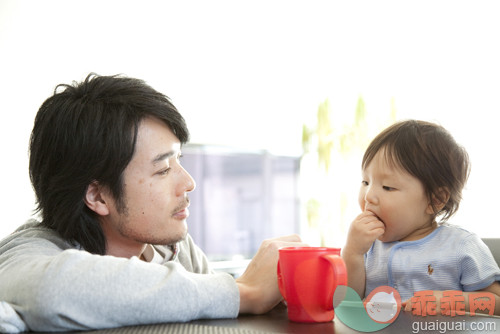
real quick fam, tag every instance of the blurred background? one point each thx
(281, 98)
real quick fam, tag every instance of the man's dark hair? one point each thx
(87, 132)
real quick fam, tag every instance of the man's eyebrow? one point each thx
(162, 156)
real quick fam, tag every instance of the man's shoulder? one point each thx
(30, 227)
(35, 233)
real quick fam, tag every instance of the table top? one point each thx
(276, 321)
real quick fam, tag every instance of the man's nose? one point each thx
(187, 184)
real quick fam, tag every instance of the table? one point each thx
(276, 321)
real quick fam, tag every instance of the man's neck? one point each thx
(126, 252)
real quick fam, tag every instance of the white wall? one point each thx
(248, 73)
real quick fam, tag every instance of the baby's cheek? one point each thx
(362, 205)
(361, 199)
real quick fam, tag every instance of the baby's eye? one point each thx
(388, 188)
(365, 183)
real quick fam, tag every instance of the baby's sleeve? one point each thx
(478, 268)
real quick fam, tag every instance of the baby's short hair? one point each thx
(428, 152)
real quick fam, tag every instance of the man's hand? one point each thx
(258, 285)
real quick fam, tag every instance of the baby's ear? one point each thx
(438, 201)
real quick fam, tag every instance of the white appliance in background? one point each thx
(241, 198)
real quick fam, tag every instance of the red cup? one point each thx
(307, 279)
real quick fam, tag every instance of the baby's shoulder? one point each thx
(460, 240)
(452, 232)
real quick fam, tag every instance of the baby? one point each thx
(413, 174)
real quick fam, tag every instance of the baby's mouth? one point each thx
(385, 228)
(377, 216)
(380, 219)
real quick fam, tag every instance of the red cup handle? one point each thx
(281, 285)
(339, 270)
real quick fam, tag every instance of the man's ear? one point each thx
(439, 200)
(95, 199)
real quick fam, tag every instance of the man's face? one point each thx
(155, 192)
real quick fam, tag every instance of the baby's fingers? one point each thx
(406, 305)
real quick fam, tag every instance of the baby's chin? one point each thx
(382, 238)
(387, 238)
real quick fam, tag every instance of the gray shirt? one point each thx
(55, 286)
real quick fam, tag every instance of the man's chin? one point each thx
(170, 239)
(179, 236)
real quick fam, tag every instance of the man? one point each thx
(112, 247)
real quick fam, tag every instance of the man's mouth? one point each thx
(183, 214)
(181, 211)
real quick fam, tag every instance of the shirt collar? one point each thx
(167, 253)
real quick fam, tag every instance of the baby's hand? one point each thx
(407, 305)
(364, 230)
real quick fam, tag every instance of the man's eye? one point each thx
(164, 171)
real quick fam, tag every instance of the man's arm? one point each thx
(54, 289)
(258, 286)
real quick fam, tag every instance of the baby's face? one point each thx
(397, 198)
